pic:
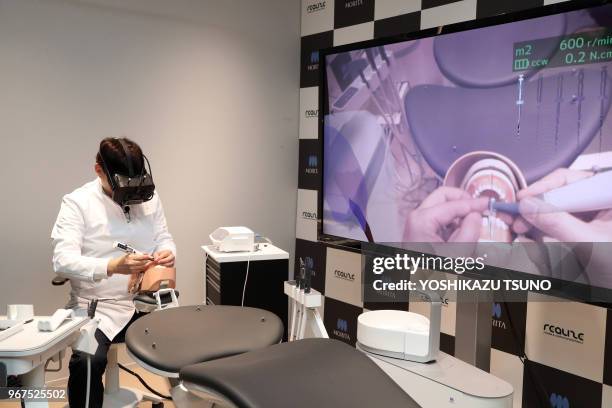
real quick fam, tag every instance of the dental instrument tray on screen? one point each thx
(233, 239)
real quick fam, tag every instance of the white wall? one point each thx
(209, 88)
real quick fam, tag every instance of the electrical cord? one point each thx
(88, 381)
(246, 278)
(142, 381)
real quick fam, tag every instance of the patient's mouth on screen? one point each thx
(492, 178)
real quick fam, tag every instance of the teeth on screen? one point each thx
(491, 187)
(496, 223)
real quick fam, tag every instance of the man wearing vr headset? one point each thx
(120, 205)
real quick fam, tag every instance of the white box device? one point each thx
(233, 239)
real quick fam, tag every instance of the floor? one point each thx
(159, 384)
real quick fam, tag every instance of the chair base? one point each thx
(128, 397)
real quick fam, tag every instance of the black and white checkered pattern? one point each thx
(577, 370)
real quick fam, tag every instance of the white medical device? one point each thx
(233, 239)
(304, 312)
(403, 335)
(400, 343)
(56, 320)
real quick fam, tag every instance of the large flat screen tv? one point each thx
(488, 131)
(491, 108)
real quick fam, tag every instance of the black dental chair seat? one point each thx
(302, 374)
(170, 339)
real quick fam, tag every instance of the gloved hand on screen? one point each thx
(448, 214)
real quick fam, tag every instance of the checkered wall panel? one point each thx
(570, 356)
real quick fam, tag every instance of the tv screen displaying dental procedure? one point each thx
(492, 134)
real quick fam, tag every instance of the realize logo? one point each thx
(341, 329)
(559, 401)
(562, 333)
(311, 113)
(344, 275)
(497, 314)
(309, 215)
(318, 6)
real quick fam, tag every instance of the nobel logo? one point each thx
(309, 215)
(353, 3)
(313, 64)
(312, 168)
(559, 401)
(563, 333)
(344, 275)
(314, 57)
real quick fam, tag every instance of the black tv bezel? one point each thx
(543, 11)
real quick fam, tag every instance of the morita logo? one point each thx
(497, 314)
(559, 401)
(353, 3)
(311, 113)
(309, 215)
(341, 330)
(563, 333)
(344, 275)
(314, 7)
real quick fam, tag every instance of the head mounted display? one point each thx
(131, 188)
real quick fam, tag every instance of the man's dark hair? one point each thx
(115, 156)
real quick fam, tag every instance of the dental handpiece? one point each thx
(590, 194)
(124, 247)
(127, 249)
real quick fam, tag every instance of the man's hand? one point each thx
(128, 264)
(164, 258)
(557, 224)
(447, 215)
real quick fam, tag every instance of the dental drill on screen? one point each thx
(574, 197)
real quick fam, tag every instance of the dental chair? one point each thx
(116, 396)
(230, 356)
(322, 373)
(166, 341)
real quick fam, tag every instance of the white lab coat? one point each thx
(87, 225)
